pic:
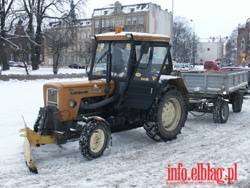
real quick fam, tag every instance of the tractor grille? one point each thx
(52, 97)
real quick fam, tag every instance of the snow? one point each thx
(133, 160)
(125, 9)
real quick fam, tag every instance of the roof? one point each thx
(126, 9)
(136, 36)
(77, 22)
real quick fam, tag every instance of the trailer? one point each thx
(212, 91)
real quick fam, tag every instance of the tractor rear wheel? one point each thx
(171, 114)
(94, 139)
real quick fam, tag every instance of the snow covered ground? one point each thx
(133, 160)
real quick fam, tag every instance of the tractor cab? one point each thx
(134, 61)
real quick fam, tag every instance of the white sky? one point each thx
(212, 18)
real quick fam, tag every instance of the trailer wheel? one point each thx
(171, 114)
(220, 111)
(237, 102)
(94, 139)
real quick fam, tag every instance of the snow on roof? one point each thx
(133, 33)
(144, 7)
(80, 22)
(136, 36)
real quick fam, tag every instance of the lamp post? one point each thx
(193, 51)
(172, 20)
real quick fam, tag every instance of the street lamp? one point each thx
(193, 51)
(172, 20)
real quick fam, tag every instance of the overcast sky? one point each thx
(212, 18)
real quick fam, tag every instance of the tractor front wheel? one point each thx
(94, 139)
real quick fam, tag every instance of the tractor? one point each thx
(129, 85)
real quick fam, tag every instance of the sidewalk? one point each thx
(41, 73)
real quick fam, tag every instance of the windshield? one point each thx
(120, 53)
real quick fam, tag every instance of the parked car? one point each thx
(76, 66)
(100, 68)
(181, 67)
(211, 65)
(13, 64)
(16, 64)
(20, 64)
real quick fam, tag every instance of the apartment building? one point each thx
(144, 17)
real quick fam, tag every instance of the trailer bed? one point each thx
(214, 83)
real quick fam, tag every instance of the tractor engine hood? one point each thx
(67, 96)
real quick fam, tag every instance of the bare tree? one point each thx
(7, 18)
(38, 11)
(231, 48)
(57, 40)
(183, 40)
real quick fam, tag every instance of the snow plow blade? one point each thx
(31, 138)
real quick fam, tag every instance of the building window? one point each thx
(128, 21)
(86, 34)
(103, 23)
(122, 22)
(96, 23)
(134, 20)
(113, 24)
(117, 22)
(141, 20)
(141, 29)
(107, 23)
(66, 60)
(80, 35)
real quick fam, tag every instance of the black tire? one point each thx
(36, 125)
(94, 139)
(237, 102)
(220, 111)
(171, 115)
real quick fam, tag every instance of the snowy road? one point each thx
(133, 160)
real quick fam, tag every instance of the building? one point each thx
(210, 49)
(76, 50)
(243, 44)
(144, 17)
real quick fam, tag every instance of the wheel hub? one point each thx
(97, 141)
(171, 114)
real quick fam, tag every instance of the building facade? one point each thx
(78, 48)
(144, 17)
(243, 44)
(210, 50)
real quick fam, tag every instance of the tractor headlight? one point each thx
(52, 97)
(72, 103)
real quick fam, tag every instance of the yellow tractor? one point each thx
(129, 85)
